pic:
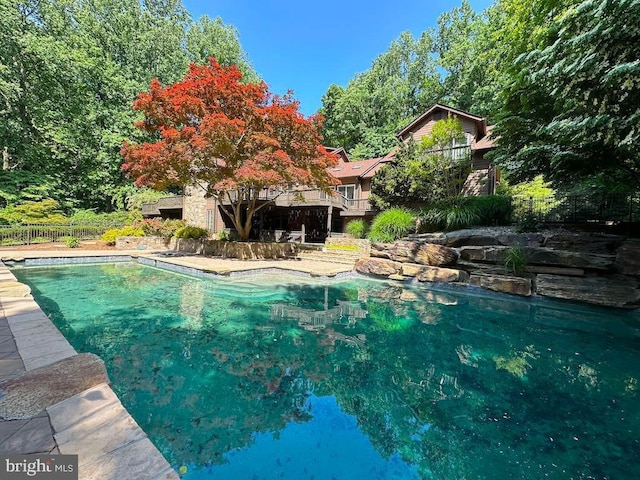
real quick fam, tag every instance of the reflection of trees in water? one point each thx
(441, 378)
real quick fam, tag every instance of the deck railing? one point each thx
(310, 197)
(27, 234)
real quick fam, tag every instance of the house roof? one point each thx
(440, 106)
(487, 142)
(361, 168)
(340, 151)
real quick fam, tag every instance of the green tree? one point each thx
(401, 83)
(212, 38)
(68, 74)
(571, 111)
(426, 172)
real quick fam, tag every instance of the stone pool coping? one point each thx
(217, 266)
(93, 424)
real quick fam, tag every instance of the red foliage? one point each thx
(213, 129)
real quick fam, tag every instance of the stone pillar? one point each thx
(329, 219)
(194, 208)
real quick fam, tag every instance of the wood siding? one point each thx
(426, 127)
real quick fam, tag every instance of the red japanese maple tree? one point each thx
(232, 139)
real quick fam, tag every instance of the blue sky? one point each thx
(305, 46)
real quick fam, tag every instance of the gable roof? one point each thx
(361, 169)
(340, 151)
(439, 106)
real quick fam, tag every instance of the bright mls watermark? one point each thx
(39, 467)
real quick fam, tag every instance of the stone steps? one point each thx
(347, 258)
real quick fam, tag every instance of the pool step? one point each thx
(334, 256)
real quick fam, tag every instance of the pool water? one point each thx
(280, 377)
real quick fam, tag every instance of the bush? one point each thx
(189, 231)
(357, 228)
(90, 217)
(110, 236)
(529, 222)
(44, 211)
(159, 227)
(492, 209)
(516, 260)
(466, 212)
(71, 242)
(392, 225)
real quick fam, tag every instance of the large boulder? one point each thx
(425, 273)
(610, 291)
(488, 236)
(603, 244)
(503, 283)
(540, 256)
(628, 258)
(377, 266)
(410, 251)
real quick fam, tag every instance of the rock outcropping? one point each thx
(593, 268)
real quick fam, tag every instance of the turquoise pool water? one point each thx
(279, 377)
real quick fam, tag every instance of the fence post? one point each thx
(531, 206)
(575, 208)
(630, 208)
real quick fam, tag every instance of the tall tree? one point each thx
(401, 83)
(572, 109)
(457, 48)
(234, 140)
(213, 38)
(69, 71)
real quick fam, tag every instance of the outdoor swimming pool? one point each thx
(276, 376)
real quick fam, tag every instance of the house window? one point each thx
(347, 191)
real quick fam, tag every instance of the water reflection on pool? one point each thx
(282, 377)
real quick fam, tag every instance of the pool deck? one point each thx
(56, 401)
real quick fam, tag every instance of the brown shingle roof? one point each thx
(487, 142)
(362, 169)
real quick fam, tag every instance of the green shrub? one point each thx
(516, 260)
(492, 209)
(357, 228)
(90, 217)
(44, 211)
(224, 236)
(528, 222)
(466, 212)
(159, 227)
(189, 231)
(110, 236)
(451, 215)
(392, 225)
(71, 242)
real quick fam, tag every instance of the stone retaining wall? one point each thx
(240, 250)
(213, 248)
(145, 243)
(592, 268)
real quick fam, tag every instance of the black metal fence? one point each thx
(26, 234)
(579, 209)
